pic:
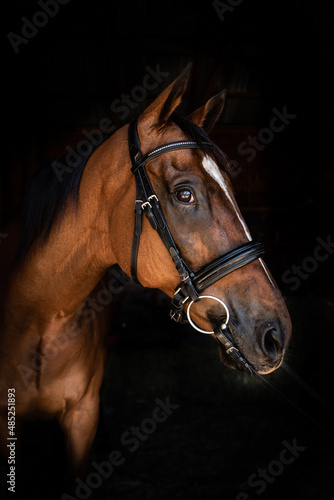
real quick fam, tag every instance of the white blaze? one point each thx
(212, 169)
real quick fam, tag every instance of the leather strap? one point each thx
(225, 339)
(228, 263)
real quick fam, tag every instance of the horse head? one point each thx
(193, 189)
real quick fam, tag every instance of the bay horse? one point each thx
(192, 240)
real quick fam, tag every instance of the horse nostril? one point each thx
(272, 344)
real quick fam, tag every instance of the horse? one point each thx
(55, 313)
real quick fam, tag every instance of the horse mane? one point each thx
(45, 200)
(47, 196)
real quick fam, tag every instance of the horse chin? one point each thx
(267, 368)
(262, 368)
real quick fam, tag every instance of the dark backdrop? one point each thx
(65, 76)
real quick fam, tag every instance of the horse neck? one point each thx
(57, 276)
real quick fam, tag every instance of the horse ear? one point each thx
(158, 113)
(207, 115)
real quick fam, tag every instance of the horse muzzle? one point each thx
(262, 350)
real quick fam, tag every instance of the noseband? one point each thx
(192, 283)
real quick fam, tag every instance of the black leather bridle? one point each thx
(192, 283)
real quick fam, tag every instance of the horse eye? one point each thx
(185, 196)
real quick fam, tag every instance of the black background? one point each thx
(268, 55)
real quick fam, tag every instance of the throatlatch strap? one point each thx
(135, 240)
(135, 155)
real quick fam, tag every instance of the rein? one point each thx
(192, 283)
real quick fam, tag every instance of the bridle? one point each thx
(192, 283)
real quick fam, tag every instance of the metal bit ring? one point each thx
(223, 326)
